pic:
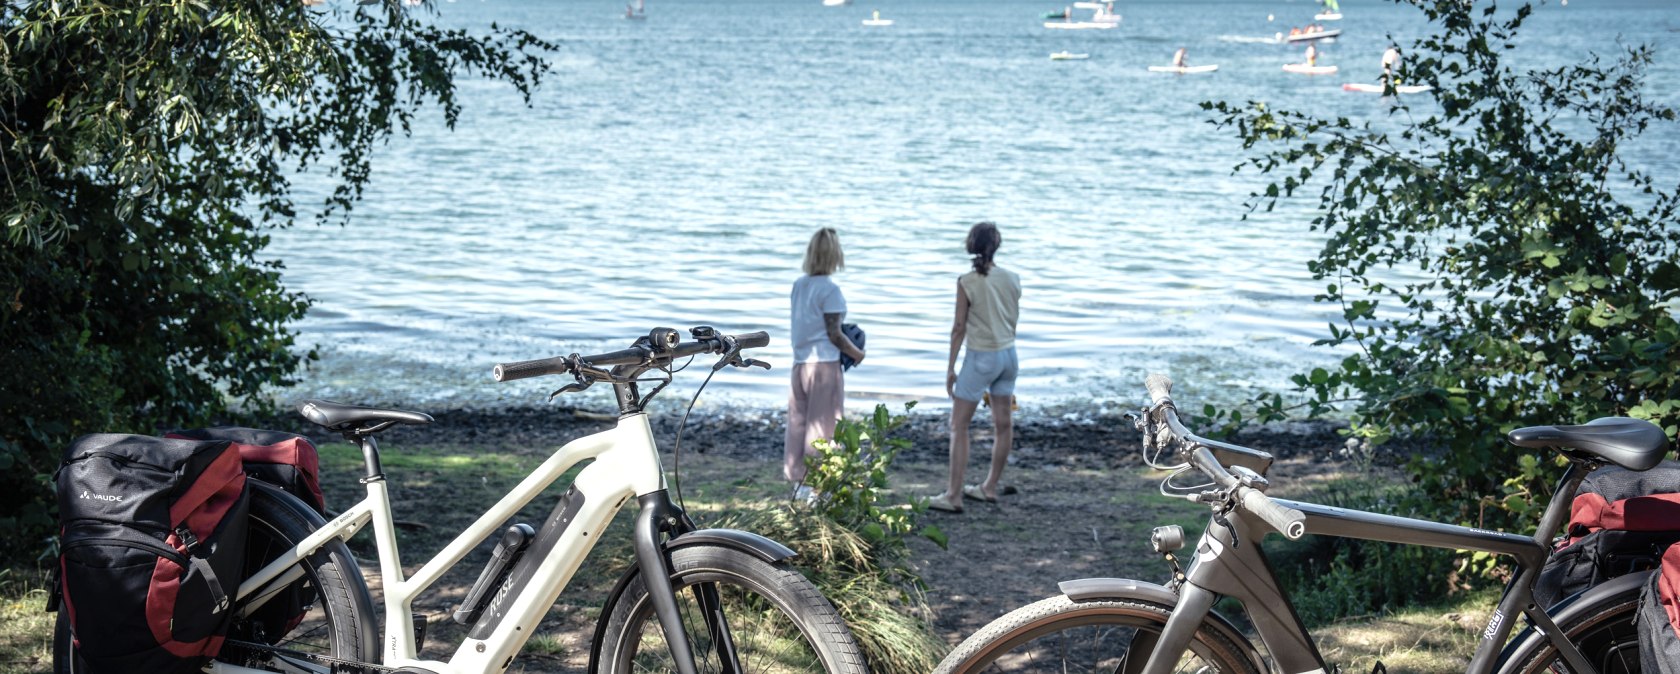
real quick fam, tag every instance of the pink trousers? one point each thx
(815, 399)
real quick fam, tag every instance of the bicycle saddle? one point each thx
(341, 417)
(1633, 444)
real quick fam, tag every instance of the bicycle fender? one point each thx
(1099, 589)
(1089, 589)
(1567, 609)
(744, 541)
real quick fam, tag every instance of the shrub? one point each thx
(147, 147)
(852, 543)
(1545, 268)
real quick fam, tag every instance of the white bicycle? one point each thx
(727, 601)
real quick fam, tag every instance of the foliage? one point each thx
(1497, 262)
(1330, 578)
(852, 540)
(144, 148)
(849, 474)
(889, 617)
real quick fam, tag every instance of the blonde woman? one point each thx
(818, 387)
(988, 307)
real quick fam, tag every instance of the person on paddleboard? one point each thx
(1178, 58)
(1312, 55)
(1390, 63)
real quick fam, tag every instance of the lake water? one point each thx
(670, 171)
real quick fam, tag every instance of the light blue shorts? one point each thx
(984, 371)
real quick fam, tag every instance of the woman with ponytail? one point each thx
(988, 306)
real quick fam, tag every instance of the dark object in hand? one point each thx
(854, 333)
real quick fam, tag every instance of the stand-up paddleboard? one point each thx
(1078, 25)
(1183, 70)
(1305, 69)
(1328, 16)
(836, 3)
(1320, 35)
(1366, 88)
(877, 22)
(1068, 56)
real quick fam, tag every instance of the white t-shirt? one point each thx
(812, 297)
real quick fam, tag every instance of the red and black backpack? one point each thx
(1621, 521)
(285, 460)
(290, 462)
(151, 549)
(1659, 618)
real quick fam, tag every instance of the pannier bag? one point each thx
(290, 462)
(285, 460)
(151, 549)
(1621, 521)
(1659, 618)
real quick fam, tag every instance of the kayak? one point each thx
(1320, 35)
(1328, 16)
(1068, 56)
(1182, 70)
(1305, 69)
(877, 22)
(1365, 88)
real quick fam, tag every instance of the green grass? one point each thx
(1437, 639)
(25, 625)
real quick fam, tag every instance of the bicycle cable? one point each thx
(1180, 491)
(676, 450)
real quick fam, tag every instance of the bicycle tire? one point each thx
(1603, 629)
(338, 623)
(1042, 636)
(765, 606)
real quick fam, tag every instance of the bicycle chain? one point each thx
(255, 651)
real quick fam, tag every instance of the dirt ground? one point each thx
(1084, 506)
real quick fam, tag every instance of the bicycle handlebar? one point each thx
(1287, 521)
(662, 346)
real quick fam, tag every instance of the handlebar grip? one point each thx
(753, 340)
(526, 369)
(1290, 522)
(1160, 388)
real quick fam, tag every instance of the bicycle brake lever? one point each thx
(569, 388)
(749, 362)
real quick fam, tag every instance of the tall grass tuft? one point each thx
(888, 616)
(851, 540)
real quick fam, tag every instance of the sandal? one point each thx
(974, 491)
(941, 503)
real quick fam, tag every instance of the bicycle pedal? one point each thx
(419, 631)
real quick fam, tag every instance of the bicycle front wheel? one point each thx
(1110, 636)
(765, 618)
(1604, 630)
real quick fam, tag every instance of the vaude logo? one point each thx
(1493, 625)
(101, 497)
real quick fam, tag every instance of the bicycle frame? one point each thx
(1230, 562)
(626, 465)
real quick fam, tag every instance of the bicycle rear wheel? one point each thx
(1603, 629)
(772, 620)
(1064, 636)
